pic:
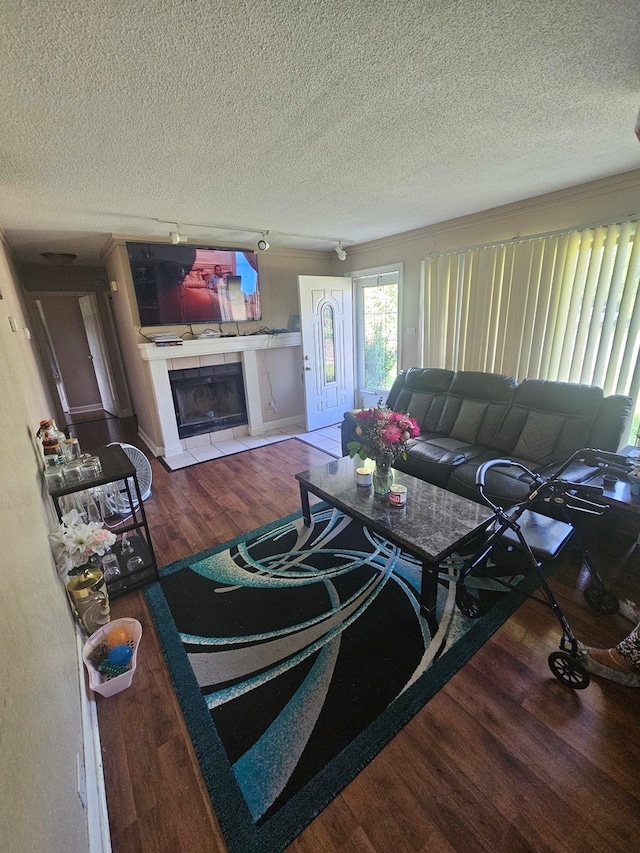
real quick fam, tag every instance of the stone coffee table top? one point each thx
(428, 525)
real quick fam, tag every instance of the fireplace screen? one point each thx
(207, 399)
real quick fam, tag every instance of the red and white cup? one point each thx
(398, 495)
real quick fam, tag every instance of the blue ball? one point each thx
(120, 655)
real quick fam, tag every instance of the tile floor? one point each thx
(327, 439)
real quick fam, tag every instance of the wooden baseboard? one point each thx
(95, 792)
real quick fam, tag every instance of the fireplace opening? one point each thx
(207, 399)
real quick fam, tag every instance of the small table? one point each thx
(431, 525)
(617, 496)
(116, 468)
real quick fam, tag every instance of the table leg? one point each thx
(429, 594)
(304, 500)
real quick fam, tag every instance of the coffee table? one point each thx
(430, 526)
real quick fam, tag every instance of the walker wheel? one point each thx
(468, 604)
(567, 669)
(601, 600)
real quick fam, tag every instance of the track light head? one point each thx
(340, 252)
(263, 245)
(177, 237)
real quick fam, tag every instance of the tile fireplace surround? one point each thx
(159, 360)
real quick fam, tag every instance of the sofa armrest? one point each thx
(610, 423)
(348, 429)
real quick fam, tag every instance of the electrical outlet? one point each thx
(273, 406)
(13, 323)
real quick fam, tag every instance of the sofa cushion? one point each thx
(421, 393)
(504, 486)
(475, 406)
(432, 457)
(548, 420)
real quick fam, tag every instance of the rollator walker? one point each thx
(541, 536)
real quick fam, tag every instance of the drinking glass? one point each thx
(134, 564)
(110, 567)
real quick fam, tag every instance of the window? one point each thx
(563, 307)
(328, 344)
(377, 300)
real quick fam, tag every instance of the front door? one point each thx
(326, 322)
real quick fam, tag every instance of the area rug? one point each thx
(297, 653)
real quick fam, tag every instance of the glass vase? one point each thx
(382, 477)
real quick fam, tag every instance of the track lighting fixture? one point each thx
(260, 245)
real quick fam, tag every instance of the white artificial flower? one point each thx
(75, 541)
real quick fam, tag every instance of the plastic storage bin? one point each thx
(97, 682)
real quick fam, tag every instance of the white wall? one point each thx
(40, 721)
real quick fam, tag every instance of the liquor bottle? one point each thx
(48, 425)
(52, 450)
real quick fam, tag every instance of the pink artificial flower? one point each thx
(367, 415)
(391, 434)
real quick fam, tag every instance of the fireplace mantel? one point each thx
(161, 359)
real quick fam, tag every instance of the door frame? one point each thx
(118, 380)
(97, 344)
(311, 365)
(370, 397)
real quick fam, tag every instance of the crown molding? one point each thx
(601, 187)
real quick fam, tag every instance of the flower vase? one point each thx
(382, 477)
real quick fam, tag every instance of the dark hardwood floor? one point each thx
(503, 758)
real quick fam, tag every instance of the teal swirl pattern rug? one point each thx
(296, 654)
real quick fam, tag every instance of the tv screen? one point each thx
(194, 284)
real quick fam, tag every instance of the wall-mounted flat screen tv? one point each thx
(194, 284)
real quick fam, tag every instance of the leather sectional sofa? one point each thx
(467, 418)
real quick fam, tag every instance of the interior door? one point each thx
(98, 350)
(44, 338)
(326, 323)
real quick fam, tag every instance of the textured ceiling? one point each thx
(347, 120)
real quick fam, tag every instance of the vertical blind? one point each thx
(563, 307)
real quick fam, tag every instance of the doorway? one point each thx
(326, 319)
(377, 330)
(72, 337)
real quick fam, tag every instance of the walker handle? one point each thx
(492, 463)
(616, 461)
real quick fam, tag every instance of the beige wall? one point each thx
(40, 732)
(597, 202)
(58, 287)
(40, 723)
(600, 201)
(279, 370)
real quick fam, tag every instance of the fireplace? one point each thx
(207, 399)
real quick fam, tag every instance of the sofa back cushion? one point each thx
(420, 392)
(475, 406)
(548, 421)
